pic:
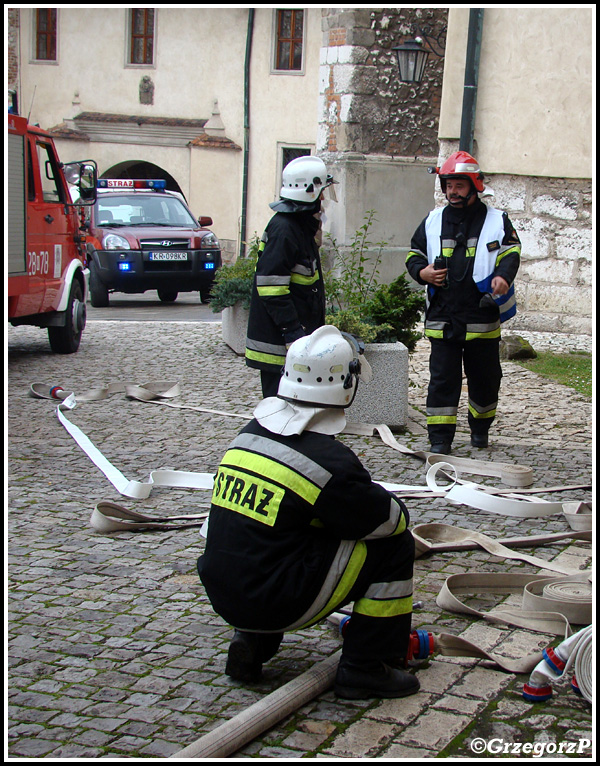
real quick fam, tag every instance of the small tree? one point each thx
(358, 273)
(356, 301)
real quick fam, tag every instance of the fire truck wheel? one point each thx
(65, 340)
(98, 291)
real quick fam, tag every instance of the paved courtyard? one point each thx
(113, 649)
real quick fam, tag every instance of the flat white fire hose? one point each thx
(161, 392)
(512, 475)
(439, 538)
(451, 537)
(483, 498)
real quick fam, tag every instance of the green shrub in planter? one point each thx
(395, 309)
(233, 282)
(357, 303)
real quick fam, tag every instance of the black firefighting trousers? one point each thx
(377, 577)
(481, 359)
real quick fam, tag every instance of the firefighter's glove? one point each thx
(290, 335)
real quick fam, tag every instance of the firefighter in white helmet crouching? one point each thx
(298, 529)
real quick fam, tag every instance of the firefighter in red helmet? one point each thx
(467, 254)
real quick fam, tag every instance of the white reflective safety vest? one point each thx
(485, 260)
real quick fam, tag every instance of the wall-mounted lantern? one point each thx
(413, 54)
(412, 58)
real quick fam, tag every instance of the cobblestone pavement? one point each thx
(114, 651)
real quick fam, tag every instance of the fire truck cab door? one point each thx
(50, 232)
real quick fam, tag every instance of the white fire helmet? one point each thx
(322, 369)
(304, 179)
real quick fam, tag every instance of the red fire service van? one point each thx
(46, 247)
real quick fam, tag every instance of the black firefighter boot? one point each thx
(357, 680)
(248, 651)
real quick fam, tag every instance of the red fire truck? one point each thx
(46, 248)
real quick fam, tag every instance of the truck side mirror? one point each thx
(205, 220)
(84, 177)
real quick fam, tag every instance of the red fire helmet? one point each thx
(461, 165)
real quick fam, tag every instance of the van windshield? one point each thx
(142, 210)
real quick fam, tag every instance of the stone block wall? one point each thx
(553, 217)
(12, 58)
(364, 106)
(377, 134)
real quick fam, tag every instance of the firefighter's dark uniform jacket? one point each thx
(291, 522)
(288, 295)
(454, 313)
(460, 329)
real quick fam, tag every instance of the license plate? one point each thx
(168, 256)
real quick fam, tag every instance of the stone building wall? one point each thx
(379, 135)
(553, 217)
(12, 57)
(376, 133)
(365, 108)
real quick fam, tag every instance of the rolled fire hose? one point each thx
(550, 604)
(237, 731)
(577, 653)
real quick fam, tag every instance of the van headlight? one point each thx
(115, 242)
(209, 241)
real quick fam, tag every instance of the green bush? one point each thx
(356, 301)
(395, 309)
(233, 282)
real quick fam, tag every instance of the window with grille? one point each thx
(45, 34)
(285, 154)
(289, 40)
(289, 153)
(141, 44)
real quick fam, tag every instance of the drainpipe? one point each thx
(246, 131)
(467, 125)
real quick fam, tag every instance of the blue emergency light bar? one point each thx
(131, 183)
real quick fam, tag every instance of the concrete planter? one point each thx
(385, 398)
(234, 323)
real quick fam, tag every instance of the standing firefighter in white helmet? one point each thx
(288, 295)
(468, 255)
(297, 529)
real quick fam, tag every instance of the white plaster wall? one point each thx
(190, 70)
(283, 109)
(199, 57)
(213, 175)
(534, 100)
